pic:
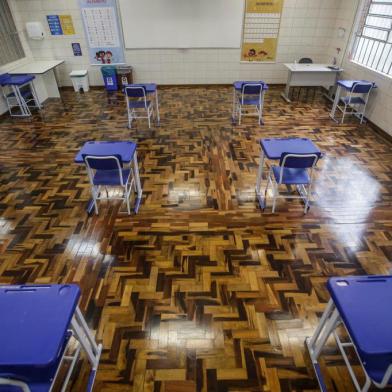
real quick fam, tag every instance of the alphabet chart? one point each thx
(261, 30)
(101, 25)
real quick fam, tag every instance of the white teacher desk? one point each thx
(45, 82)
(312, 75)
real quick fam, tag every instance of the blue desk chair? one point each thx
(250, 97)
(35, 337)
(293, 169)
(355, 102)
(19, 92)
(361, 304)
(105, 172)
(137, 104)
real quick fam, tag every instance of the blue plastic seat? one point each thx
(111, 177)
(353, 100)
(291, 176)
(107, 171)
(138, 104)
(293, 169)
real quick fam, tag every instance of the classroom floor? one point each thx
(201, 291)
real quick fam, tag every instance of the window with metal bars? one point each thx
(373, 40)
(10, 47)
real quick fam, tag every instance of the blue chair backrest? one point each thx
(103, 162)
(252, 88)
(299, 161)
(135, 91)
(361, 87)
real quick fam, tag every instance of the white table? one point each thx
(309, 75)
(46, 80)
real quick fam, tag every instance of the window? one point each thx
(373, 40)
(10, 47)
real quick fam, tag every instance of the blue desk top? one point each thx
(17, 80)
(275, 147)
(238, 84)
(364, 303)
(150, 87)
(125, 149)
(348, 84)
(34, 322)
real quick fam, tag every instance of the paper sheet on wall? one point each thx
(101, 25)
(261, 30)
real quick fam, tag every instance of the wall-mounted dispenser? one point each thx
(35, 30)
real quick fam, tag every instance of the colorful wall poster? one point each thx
(261, 30)
(54, 24)
(67, 24)
(104, 37)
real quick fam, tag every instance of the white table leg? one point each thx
(260, 171)
(233, 115)
(286, 94)
(262, 107)
(335, 102)
(157, 106)
(139, 189)
(86, 339)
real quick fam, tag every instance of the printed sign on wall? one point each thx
(261, 30)
(67, 24)
(77, 50)
(101, 25)
(54, 24)
(60, 24)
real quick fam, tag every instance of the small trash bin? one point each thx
(124, 75)
(109, 77)
(80, 80)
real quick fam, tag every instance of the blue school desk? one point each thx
(273, 149)
(237, 90)
(151, 89)
(17, 83)
(127, 151)
(35, 329)
(363, 305)
(343, 85)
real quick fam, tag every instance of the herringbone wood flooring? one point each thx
(200, 291)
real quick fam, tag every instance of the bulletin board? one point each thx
(103, 33)
(261, 30)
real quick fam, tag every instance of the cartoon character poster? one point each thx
(263, 51)
(261, 30)
(103, 33)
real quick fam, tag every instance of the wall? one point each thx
(306, 29)
(5, 68)
(380, 102)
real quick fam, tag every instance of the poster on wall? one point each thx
(261, 30)
(67, 24)
(101, 25)
(54, 24)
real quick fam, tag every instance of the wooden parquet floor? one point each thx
(200, 291)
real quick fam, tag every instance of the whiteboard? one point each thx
(182, 23)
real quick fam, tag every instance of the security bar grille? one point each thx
(373, 40)
(10, 47)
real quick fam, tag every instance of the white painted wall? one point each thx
(5, 68)
(380, 102)
(306, 29)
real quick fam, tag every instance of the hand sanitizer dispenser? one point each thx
(35, 30)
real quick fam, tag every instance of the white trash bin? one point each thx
(80, 80)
